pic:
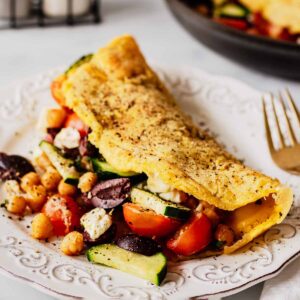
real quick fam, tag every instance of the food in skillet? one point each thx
(125, 174)
(278, 19)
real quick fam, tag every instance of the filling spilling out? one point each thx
(124, 220)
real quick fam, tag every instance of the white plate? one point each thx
(232, 111)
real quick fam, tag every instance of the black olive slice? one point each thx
(138, 244)
(13, 166)
(106, 237)
(110, 193)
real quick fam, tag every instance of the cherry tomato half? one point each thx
(193, 236)
(63, 213)
(147, 222)
(74, 122)
(56, 92)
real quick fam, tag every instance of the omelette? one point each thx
(137, 127)
(282, 13)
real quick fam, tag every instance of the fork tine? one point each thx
(267, 127)
(288, 123)
(281, 138)
(293, 107)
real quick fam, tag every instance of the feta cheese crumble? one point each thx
(173, 196)
(96, 222)
(156, 185)
(12, 188)
(67, 138)
(165, 191)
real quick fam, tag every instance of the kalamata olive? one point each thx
(52, 132)
(106, 237)
(138, 244)
(87, 149)
(70, 153)
(13, 166)
(106, 203)
(110, 193)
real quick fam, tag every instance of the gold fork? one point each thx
(285, 155)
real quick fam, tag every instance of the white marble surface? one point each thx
(30, 51)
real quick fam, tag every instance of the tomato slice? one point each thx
(63, 213)
(74, 122)
(48, 138)
(56, 92)
(260, 24)
(193, 236)
(147, 222)
(235, 23)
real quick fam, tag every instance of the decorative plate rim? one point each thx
(254, 281)
(228, 292)
(163, 71)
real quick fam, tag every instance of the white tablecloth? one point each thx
(286, 286)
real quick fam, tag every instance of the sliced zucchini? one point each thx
(231, 10)
(152, 268)
(78, 63)
(167, 208)
(64, 166)
(105, 170)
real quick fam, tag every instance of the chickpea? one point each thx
(29, 180)
(43, 161)
(224, 234)
(37, 197)
(55, 117)
(87, 181)
(66, 189)
(72, 243)
(41, 227)
(50, 179)
(16, 205)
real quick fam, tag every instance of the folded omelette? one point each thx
(137, 126)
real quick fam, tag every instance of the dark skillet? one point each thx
(262, 53)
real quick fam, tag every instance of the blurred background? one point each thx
(24, 52)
